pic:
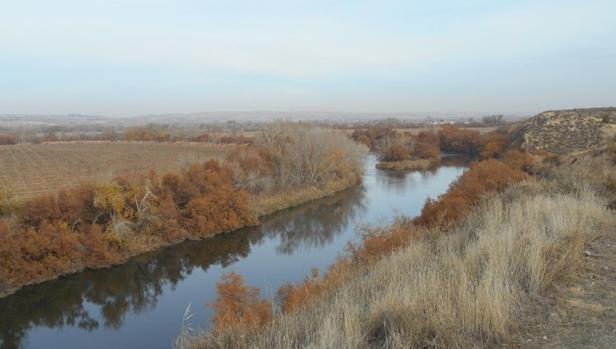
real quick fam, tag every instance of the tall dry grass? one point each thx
(467, 288)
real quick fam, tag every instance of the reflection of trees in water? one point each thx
(138, 284)
(133, 287)
(456, 160)
(399, 181)
(315, 224)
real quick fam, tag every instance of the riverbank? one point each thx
(407, 165)
(261, 206)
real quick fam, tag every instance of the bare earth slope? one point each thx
(565, 131)
(582, 313)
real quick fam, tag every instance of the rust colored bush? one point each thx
(205, 201)
(376, 245)
(482, 177)
(493, 144)
(519, 159)
(238, 304)
(457, 140)
(101, 224)
(395, 152)
(427, 146)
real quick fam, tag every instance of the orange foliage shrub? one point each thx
(427, 146)
(238, 304)
(203, 201)
(493, 144)
(395, 152)
(482, 177)
(519, 159)
(293, 296)
(95, 225)
(457, 140)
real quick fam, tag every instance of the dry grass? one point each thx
(34, 170)
(268, 204)
(464, 289)
(592, 170)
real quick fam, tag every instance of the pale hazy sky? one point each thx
(150, 56)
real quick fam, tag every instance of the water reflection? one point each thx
(316, 224)
(137, 285)
(399, 181)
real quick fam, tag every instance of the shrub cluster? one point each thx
(373, 137)
(101, 224)
(238, 304)
(463, 141)
(287, 155)
(482, 177)
(428, 145)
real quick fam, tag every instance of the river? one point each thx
(141, 303)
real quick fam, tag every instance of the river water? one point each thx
(141, 303)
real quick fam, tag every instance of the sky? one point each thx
(133, 57)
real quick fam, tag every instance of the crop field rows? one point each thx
(33, 170)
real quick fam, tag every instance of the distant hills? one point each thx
(231, 116)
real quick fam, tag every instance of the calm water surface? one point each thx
(141, 303)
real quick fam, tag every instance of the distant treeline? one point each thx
(395, 145)
(149, 133)
(225, 133)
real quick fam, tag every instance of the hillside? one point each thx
(564, 131)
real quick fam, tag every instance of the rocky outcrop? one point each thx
(566, 131)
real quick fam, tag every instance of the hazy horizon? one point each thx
(138, 57)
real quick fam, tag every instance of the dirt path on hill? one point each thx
(580, 313)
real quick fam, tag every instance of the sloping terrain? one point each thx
(565, 131)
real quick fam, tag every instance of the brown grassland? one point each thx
(29, 171)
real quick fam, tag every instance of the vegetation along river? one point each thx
(141, 303)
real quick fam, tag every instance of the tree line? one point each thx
(392, 145)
